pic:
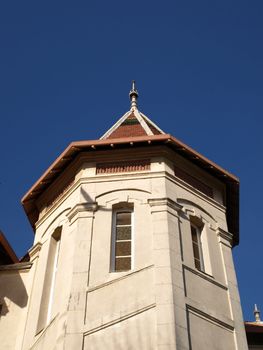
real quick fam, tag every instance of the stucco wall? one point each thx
(14, 299)
(164, 302)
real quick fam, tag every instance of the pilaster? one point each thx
(28, 332)
(170, 300)
(226, 240)
(81, 218)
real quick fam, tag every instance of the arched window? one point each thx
(196, 232)
(122, 237)
(48, 293)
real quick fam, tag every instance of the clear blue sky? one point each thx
(65, 72)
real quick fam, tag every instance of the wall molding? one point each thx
(119, 319)
(34, 251)
(16, 267)
(156, 203)
(87, 208)
(211, 318)
(225, 237)
(205, 276)
(105, 284)
(196, 192)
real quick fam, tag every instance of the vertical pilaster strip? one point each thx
(225, 241)
(27, 331)
(81, 216)
(170, 300)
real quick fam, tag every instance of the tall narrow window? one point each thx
(54, 261)
(48, 294)
(197, 247)
(122, 239)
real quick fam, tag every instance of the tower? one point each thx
(132, 248)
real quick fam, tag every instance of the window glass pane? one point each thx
(122, 264)
(123, 248)
(194, 234)
(123, 233)
(196, 251)
(123, 218)
(197, 247)
(198, 264)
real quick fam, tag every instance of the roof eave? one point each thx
(232, 182)
(8, 249)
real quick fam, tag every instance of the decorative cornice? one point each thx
(193, 181)
(87, 208)
(60, 194)
(225, 237)
(167, 202)
(34, 251)
(15, 267)
(196, 192)
(123, 167)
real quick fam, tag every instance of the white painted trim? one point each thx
(113, 240)
(53, 281)
(142, 122)
(140, 117)
(132, 240)
(206, 250)
(151, 122)
(115, 126)
(199, 233)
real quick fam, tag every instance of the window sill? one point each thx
(205, 276)
(117, 276)
(205, 273)
(41, 332)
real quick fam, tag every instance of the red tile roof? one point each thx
(71, 152)
(7, 255)
(127, 130)
(132, 124)
(254, 327)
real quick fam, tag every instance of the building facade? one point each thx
(132, 250)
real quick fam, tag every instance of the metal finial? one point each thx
(257, 314)
(133, 96)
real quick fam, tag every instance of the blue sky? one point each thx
(65, 73)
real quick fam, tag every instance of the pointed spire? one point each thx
(257, 314)
(133, 96)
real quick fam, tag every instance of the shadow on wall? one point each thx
(12, 289)
(88, 199)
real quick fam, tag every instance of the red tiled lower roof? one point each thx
(231, 181)
(7, 255)
(127, 130)
(254, 327)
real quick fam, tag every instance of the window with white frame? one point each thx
(196, 232)
(54, 262)
(122, 236)
(47, 300)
